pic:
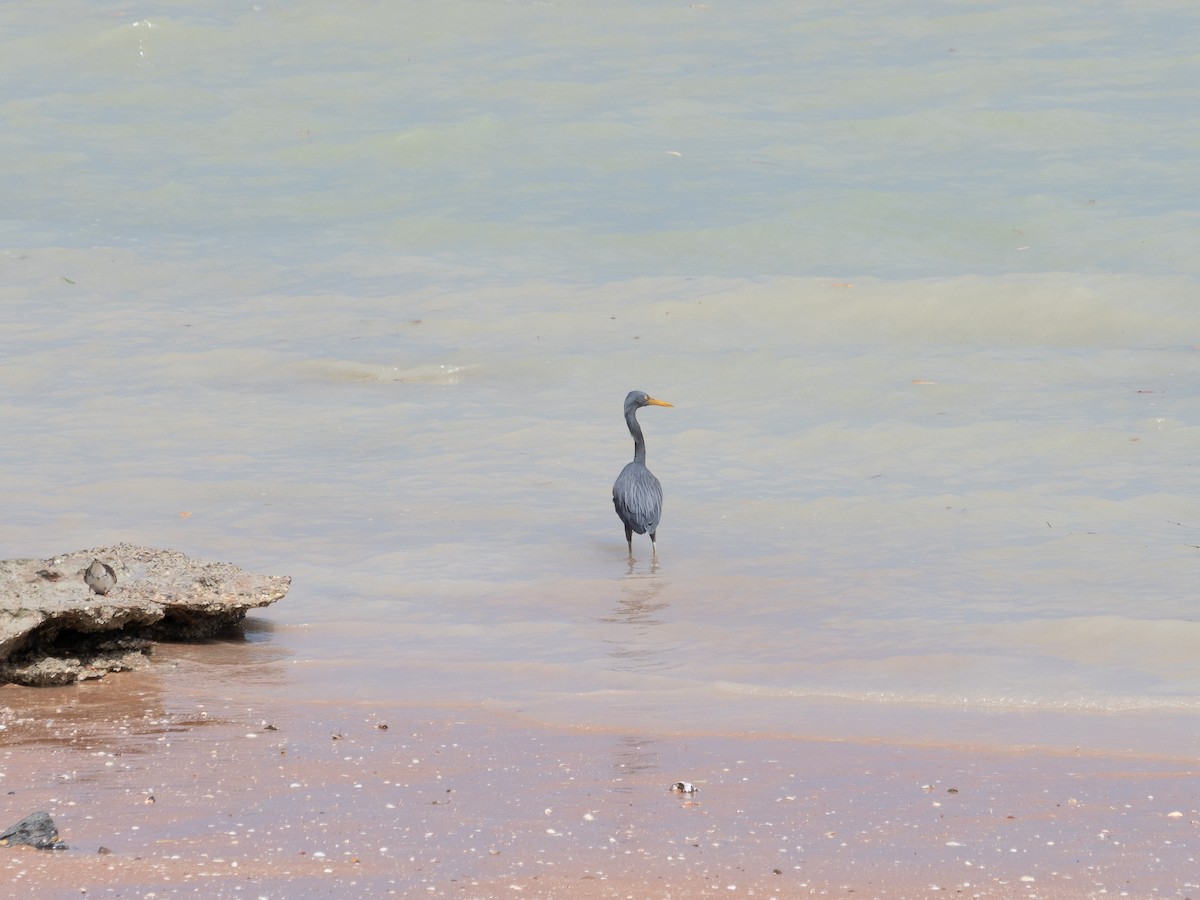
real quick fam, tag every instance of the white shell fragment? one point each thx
(683, 787)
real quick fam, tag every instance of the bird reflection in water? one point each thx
(638, 645)
(633, 756)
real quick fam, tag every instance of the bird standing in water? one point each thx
(637, 494)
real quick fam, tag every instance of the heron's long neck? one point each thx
(639, 443)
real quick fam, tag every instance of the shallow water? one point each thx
(356, 295)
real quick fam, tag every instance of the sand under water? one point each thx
(180, 781)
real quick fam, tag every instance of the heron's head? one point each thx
(638, 399)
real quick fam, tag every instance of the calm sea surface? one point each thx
(354, 292)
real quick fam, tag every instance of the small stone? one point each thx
(35, 830)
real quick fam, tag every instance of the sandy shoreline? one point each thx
(236, 787)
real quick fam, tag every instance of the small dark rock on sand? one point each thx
(35, 830)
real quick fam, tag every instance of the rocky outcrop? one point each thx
(82, 615)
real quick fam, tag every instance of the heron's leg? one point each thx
(629, 538)
(653, 543)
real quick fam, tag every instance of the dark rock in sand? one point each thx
(58, 627)
(35, 830)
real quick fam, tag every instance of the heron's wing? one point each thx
(637, 496)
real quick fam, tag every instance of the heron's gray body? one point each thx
(637, 494)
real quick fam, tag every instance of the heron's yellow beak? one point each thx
(652, 402)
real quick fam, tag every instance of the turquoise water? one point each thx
(599, 143)
(355, 294)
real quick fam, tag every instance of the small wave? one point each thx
(348, 370)
(1076, 704)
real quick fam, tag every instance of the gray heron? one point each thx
(637, 494)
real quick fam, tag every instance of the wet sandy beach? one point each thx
(232, 786)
